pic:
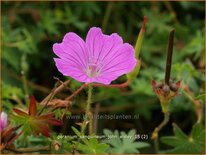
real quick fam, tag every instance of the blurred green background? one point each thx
(29, 29)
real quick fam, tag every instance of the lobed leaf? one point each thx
(182, 143)
(123, 143)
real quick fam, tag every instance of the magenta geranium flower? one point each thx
(101, 58)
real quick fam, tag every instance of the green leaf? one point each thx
(122, 142)
(91, 145)
(33, 123)
(198, 134)
(171, 140)
(178, 132)
(195, 46)
(76, 131)
(50, 26)
(11, 91)
(182, 143)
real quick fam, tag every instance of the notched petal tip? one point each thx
(116, 38)
(57, 49)
(71, 36)
(92, 33)
(95, 29)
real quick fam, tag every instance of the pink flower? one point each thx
(3, 120)
(101, 58)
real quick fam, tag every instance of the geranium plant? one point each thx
(77, 80)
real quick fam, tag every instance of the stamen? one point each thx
(93, 67)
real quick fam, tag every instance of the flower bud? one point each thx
(133, 74)
(3, 120)
(140, 39)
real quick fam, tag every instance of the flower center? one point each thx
(93, 67)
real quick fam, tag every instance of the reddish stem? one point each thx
(122, 85)
(77, 91)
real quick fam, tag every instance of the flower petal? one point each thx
(69, 53)
(122, 62)
(70, 70)
(100, 45)
(78, 44)
(111, 44)
(92, 40)
(72, 50)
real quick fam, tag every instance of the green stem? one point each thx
(157, 130)
(50, 97)
(24, 81)
(196, 105)
(90, 124)
(24, 69)
(156, 145)
(87, 112)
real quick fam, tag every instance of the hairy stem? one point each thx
(77, 91)
(24, 81)
(95, 120)
(45, 105)
(49, 97)
(122, 85)
(156, 145)
(90, 123)
(87, 112)
(157, 130)
(55, 91)
(196, 104)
